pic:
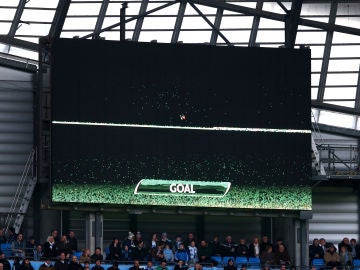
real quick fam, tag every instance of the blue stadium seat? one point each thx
(226, 259)
(318, 263)
(241, 260)
(254, 263)
(78, 254)
(6, 248)
(216, 259)
(356, 264)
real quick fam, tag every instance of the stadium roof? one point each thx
(330, 28)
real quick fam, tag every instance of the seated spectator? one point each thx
(11, 235)
(73, 242)
(325, 245)
(149, 266)
(154, 242)
(243, 267)
(30, 247)
(97, 255)
(2, 237)
(26, 265)
(50, 249)
(180, 265)
(136, 266)
(64, 246)
(228, 247)
(62, 263)
(264, 243)
(282, 256)
(162, 266)
(168, 254)
(165, 240)
(177, 243)
(138, 239)
(47, 265)
(97, 265)
(215, 246)
(354, 248)
(198, 266)
(315, 250)
(55, 234)
(268, 257)
(158, 253)
(204, 252)
(18, 246)
(16, 264)
(346, 258)
(242, 249)
(115, 253)
(114, 266)
(331, 257)
(4, 261)
(127, 253)
(345, 242)
(254, 248)
(230, 265)
(193, 256)
(129, 242)
(85, 256)
(139, 252)
(181, 254)
(75, 264)
(190, 238)
(38, 253)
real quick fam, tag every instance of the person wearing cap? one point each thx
(47, 265)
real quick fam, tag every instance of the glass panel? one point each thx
(344, 65)
(341, 38)
(342, 79)
(340, 93)
(231, 22)
(345, 51)
(4, 28)
(236, 36)
(271, 36)
(315, 9)
(196, 23)
(33, 29)
(171, 10)
(84, 9)
(266, 23)
(163, 36)
(195, 36)
(316, 65)
(349, 104)
(23, 53)
(7, 14)
(115, 35)
(349, 21)
(79, 24)
(114, 9)
(336, 119)
(358, 123)
(207, 10)
(71, 34)
(317, 51)
(275, 7)
(309, 38)
(37, 15)
(314, 91)
(108, 21)
(159, 23)
(42, 3)
(315, 78)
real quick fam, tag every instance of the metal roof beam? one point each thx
(101, 17)
(292, 23)
(15, 23)
(19, 43)
(140, 20)
(217, 23)
(334, 108)
(59, 18)
(178, 22)
(255, 24)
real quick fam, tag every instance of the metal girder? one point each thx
(327, 50)
(348, 132)
(217, 23)
(130, 19)
(100, 19)
(59, 18)
(178, 22)
(335, 108)
(15, 23)
(210, 23)
(19, 43)
(139, 21)
(282, 6)
(255, 24)
(292, 23)
(357, 97)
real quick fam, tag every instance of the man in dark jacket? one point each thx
(204, 252)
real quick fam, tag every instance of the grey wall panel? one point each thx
(16, 106)
(16, 138)
(16, 148)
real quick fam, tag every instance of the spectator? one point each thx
(97, 255)
(228, 247)
(50, 249)
(38, 253)
(230, 265)
(177, 243)
(254, 248)
(268, 257)
(158, 253)
(243, 267)
(73, 242)
(129, 242)
(97, 265)
(55, 233)
(139, 252)
(26, 265)
(242, 249)
(189, 239)
(162, 266)
(204, 252)
(2, 237)
(181, 254)
(193, 256)
(264, 243)
(149, 266)
(18, 246)
(127, 253)
(114, 266)
(16, 264)
(62, 263)
(180, 265)
(75, 264)
(138, 239)
(315, 250)
(354, 247)
(11, 236)
(136, 266)
(215, 246)
(85, 256)
(345, 242)
(331, 257)
(64, 246)
(154, 242)
(325, 245)
(282, 256)
(30, 247)
(4, 261)
(114, 250)
(47, 265)
(165, 240)
(198, 266)
(346, 258)
(168, 254)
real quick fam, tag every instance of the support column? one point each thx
(94, 231)
(304, 229)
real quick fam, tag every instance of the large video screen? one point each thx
(180, 125)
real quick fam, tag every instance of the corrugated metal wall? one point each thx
(16, 130)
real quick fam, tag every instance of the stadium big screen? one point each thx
(180, 125)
